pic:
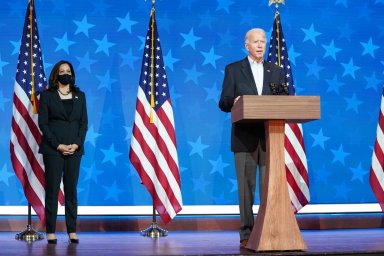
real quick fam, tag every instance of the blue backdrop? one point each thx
(335, 48)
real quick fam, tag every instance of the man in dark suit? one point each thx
(250, 76)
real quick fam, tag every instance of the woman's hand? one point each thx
(72, 148)
(67, 149)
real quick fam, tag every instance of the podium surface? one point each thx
(295, 109)
(276, 228)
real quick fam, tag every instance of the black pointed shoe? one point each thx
(52, 241)
(73, 241)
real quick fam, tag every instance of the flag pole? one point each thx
(154, 231)
(30, 234)
(277, 26)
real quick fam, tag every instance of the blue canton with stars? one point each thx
(161, 86)
(335, 52)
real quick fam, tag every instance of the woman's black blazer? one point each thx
(57, 126)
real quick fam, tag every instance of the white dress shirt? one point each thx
(258, 74)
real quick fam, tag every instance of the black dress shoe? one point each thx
(73, 241)
(243, 243)
(52, 241)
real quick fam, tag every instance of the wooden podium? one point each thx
(275, 227)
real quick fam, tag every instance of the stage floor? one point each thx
(319, 242)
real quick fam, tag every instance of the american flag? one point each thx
(295, 157)
(153, 143)
(25, 134)
(376, 176)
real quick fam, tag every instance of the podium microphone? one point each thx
(285, 88)
(273, 88)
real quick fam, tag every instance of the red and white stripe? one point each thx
(153, 153)
(26, 161)
(296, 166)
(376, 177)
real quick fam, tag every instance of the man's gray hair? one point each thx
(258, 30)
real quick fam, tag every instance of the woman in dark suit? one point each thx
(63, 122)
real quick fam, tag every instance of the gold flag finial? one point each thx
(276, 3)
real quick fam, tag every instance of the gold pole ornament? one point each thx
(276, 3)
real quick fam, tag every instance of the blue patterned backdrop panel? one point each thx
(335, 48)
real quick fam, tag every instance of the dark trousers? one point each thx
(246, 164)
(55, 168)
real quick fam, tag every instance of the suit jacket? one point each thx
(238, 81)
(60, 128)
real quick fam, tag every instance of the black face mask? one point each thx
(65, 79)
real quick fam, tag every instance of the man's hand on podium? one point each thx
(236, 99)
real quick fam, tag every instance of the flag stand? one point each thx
(154, 231)
(30, 234)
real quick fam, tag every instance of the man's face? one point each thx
(255, 45)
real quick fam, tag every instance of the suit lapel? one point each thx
(247, 71)
(76, 104)
(267, 77)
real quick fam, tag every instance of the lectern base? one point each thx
(275, 227)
